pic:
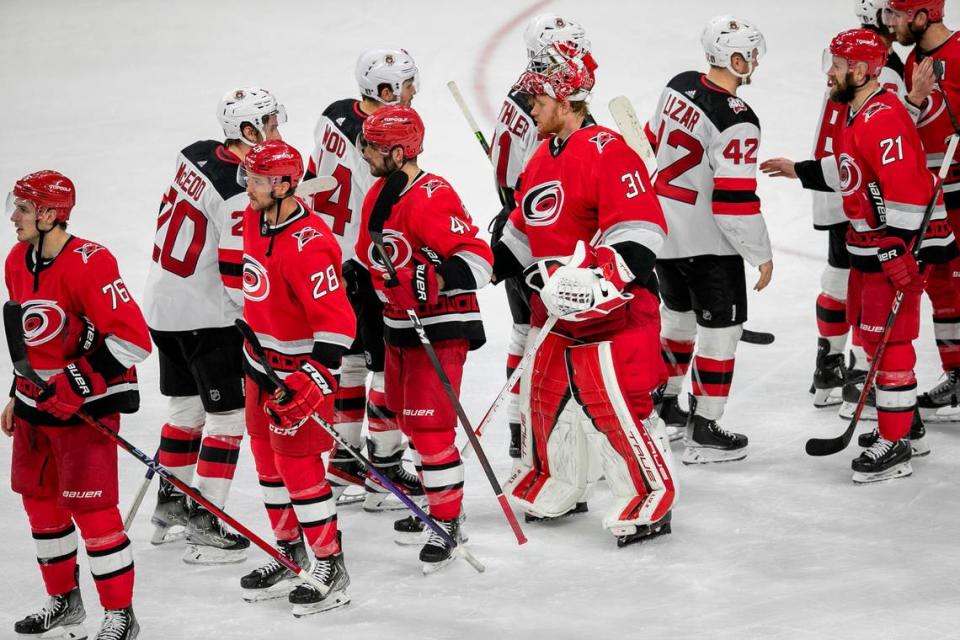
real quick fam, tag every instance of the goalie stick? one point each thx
(13, 327)
(632, 131)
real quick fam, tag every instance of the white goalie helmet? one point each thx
(248, 104)
(725, 35)
(549, 28)
(376, 67)
(869, 11)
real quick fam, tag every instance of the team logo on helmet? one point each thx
(602, 139)
(87, 250)
(305, 235)
(389, 59)
(542, 204)
(397, 247)
(256, 282)
(850, 177)
(43, 321)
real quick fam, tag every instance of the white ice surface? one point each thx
(778, 546)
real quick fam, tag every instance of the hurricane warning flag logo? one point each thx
(305, 235)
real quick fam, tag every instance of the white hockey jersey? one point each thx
(706, 143)
(195, 277)
(828, 206)
(514, 139)
(336, 154)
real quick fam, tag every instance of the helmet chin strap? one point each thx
(744, 77)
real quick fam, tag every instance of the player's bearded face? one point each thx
(902, 27)
(381, 164)
(546, 113)
(260, 192)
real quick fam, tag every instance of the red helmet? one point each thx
(861, 45)
(277, 159)
(395, 126)
(48, 190)
(934, 8)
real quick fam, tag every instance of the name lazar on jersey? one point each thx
(679, 111)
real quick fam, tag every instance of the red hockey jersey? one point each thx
(430, 223)
(82, 281)
(294, 298)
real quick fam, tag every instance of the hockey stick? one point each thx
(13, 327)
(829, 446)
(141, 492)
(377, 237)
(251, 337)
(465, 110)
(316, 185)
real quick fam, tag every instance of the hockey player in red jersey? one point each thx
(192, 299)
(440, 262)
(920, 23)
(706, 140)
(84, 334)
(587, 391)
(879, 167)
(385, 77)
(514, 140)
(294, 300)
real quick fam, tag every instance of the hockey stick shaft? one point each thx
(13, 326)
(251, 337)
(141, 492)
(452, 396)
(829, 446)
(477, 133)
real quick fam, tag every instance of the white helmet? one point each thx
(725, 35)
(549, 28)
(867, 11)
(376, 67)
(250, 104)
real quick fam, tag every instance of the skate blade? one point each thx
(204, 555)
(941, 415)
(333, 600)
(707, 455)
(847, 408)
(62, 632)
(347, 499)
(167, 535)
(919, 448)
(377, 502)
(410, 539)
(280, 590)
(627, 540)
(430, 568)
(901, 470)
(827, 397)
(675, 433)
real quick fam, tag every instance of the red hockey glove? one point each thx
(68, 389)
(311, 388)
(413, 286)
(899, 265)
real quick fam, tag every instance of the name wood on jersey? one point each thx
(678, 110)
(333, 142)
(190, 182)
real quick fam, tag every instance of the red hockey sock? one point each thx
(442, 472)
(179, 450)
(110, 555)
(896, 390)
(312, 501)
(832, 322)
(677, 355)
(217, 465)
(56, 541)
(276, 499)
(711, 385)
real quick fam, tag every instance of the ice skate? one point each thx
(580, 507)
(60, 618)
(918, 444)
(379, 498)
(437, 552)
(330, 571)
(884, 460)
(411, 531)
(273, 580)
(851, 395)
(829, 377)
(668, 408)
(643, 533)
(209, 542)
(119, 624)
(170, 515)
(709, 442)
(942, 403)
(347, 476)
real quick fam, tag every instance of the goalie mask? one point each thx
(560, 71)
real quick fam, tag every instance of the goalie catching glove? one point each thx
(587, 285)
(310, 389)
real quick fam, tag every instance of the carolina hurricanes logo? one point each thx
(935, 107)
(850, 177)
(397, 247)
(873, 110)
(256, 282)
(542, 204)
(736, 104)
(43, 321)
(305, 235)
(602, 139)
(432, 185)
(87, 250)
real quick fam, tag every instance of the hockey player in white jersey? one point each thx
(514, 140)
(385, 77)
(706, 140)
(193, 296)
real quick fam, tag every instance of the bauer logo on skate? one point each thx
(850, 177)
(543, 203)
(398, 250)
(43, 321)
(256, 282)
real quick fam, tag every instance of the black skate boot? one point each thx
(942, 403)
(273, 580)
(409, 531)
(119, 624)
(668, 408)
(61, 617)
(209, 542)
(884, 460)
(330, 571)
(171, 511)
(709, 442)
(580, 507)
(347, 476)
(918, 444)
(645, 532)
(829, 377)
(378, 498)
(851, 396)
(437, 552)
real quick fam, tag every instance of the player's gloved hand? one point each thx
(311, 388)
(577, 292)
(414, 285)
(67, 390)
(81, 336)
(899, 265)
